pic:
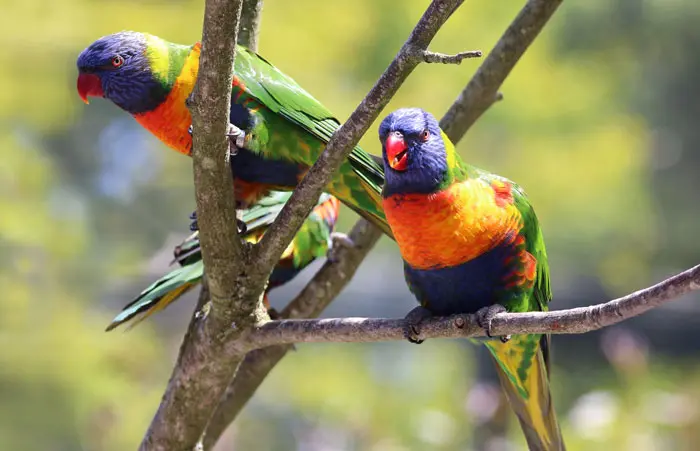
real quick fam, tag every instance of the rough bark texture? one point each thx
(212, 349)
(200, 376)
(259, 363)
(572, 321)
(310, 303)
(482, 90)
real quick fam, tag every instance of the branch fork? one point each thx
(205, 365)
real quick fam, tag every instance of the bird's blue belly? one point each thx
(281, 275)
(252, 168)
(463, 288)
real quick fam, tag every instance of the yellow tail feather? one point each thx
(523, 372)
(163, 302)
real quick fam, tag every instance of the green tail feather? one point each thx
(160, 294)
(311, 241)
(523, 369)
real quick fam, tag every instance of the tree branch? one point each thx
(411, 54)
(571, 321)
(259, 363)
(328, 282)
(443, 58)
(198, 379)
(482, 90)
(249, 28)
(348, 135)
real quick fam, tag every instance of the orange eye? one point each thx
(425, 134)
(117, 61)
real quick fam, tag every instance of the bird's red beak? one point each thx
(396, 151)
(89, 85)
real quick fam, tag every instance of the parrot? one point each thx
(277, 129)
(471, 244)
(314, 239)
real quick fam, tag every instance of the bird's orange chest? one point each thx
(171, 120)
(169, 123)
(449, 227)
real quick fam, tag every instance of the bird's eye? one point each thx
(117, 61)
(424, 135)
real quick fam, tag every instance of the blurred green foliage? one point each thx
(598, 124)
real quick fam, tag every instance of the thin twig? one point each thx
(313, 299)
(481, 90)
(443, 58)
(572, 321)
(348, 135)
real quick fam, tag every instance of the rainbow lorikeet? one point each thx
(471, 243)
(311, 241)
(278, 128)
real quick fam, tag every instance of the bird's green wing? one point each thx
(314, 237)
(535, 246)
(283, 96)
(533, 237)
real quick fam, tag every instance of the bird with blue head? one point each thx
(471, 243)
(280, 129)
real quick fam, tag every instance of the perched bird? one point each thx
(311, 241)
(278, 129)
(471, 243)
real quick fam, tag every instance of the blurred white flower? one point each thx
(593, 413)
(435, 427)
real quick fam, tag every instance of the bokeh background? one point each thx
(599, 124)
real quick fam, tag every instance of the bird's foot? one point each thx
(484, 317)
(236, 140)
(411, 330)
(193, 225)
(338, 241)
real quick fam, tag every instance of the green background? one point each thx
(599, 124)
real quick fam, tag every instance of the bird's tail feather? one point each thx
(522, 365)
(160, 294)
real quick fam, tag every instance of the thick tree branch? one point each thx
(310, 303)
(572, 321)
(349, 134)
(411, 54)
(326, 283)
(482, 90)
(249, 28)
(198, 380)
